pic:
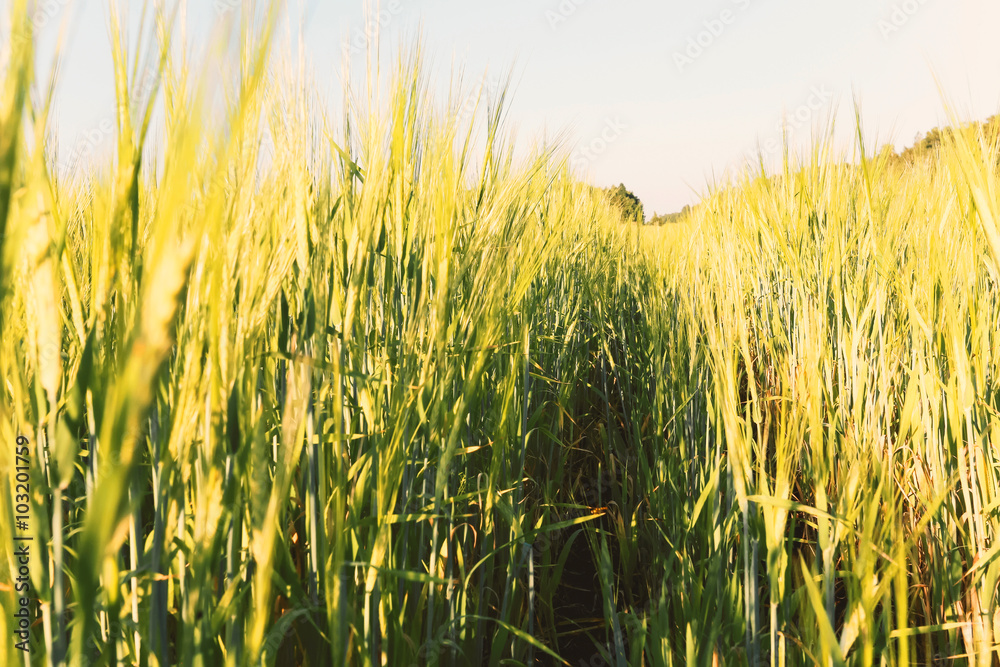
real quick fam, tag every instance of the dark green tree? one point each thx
(627, 203)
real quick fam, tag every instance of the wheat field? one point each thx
(382, 391)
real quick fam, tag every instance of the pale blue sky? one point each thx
(641, 101)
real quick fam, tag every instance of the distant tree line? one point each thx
(925, 145)
(632, 210)
(928, 144)
(667, 218)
